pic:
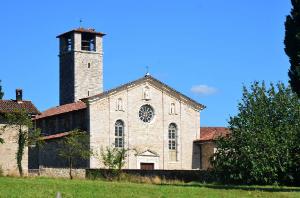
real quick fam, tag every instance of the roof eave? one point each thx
(147, 78)
(80, 31)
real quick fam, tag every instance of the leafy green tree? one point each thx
(1, 92)
(114, 159)
(21, 121)
(292, 45)
(263, 145)
(73, 147)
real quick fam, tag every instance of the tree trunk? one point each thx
(70, 166)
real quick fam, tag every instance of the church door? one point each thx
(147, 166)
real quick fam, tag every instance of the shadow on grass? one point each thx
(246, 188)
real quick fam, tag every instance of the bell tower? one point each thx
(80, 64)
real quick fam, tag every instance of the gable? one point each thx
(148, 153)
(153, 82)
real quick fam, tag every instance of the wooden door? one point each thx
(147, 166)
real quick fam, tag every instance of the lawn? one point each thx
(45, 187)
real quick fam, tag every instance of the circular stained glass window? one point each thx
(146, 113)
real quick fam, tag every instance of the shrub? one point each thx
(1, 171)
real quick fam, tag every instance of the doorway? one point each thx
(147, 166)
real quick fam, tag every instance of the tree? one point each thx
(292, 45)
(1, 92)
(263, 145)
(21, 121)
(1, 96)
(114, 159)
(73, 147)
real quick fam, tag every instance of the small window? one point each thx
(119, 134)
(89, 65)
(88, 93)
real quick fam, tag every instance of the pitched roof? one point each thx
(55, 136)
(62, 109)
(212, 133)
(8, 106)
(82, 30)
(150, 79)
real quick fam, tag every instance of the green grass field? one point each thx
(46, 187)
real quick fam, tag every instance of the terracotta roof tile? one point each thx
(212, 133)
(7, 106)
(62, 109)
(55, 136)
(82, 30)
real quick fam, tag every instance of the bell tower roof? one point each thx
(81, 30)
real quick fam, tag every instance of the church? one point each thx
(158, 124)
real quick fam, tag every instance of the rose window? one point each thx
(146, 113)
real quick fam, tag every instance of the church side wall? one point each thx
(99, 129)
(139, 136)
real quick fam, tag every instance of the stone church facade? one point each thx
(155, 122)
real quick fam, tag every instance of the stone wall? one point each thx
(182, 175)
(207, 151)
(57, 172)
(8, 151)
(140, 136)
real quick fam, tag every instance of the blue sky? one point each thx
(204, 49)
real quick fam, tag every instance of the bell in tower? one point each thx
(80, 64)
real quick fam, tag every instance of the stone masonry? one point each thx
(149, 143)
(8, 150)
(139, 136)
(81, 71)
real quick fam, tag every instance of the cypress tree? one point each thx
(292, 45)
(1, 92)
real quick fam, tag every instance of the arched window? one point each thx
(119, 134)
(172, 142)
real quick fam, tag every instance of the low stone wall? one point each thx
(183, 175)
(57, 172)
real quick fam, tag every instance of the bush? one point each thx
(1, 171)
(105, 174)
